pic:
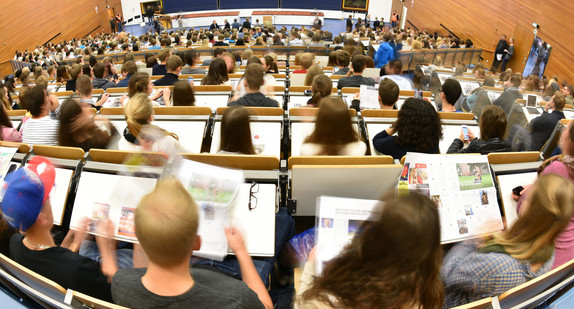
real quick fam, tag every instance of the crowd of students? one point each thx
(396, 260)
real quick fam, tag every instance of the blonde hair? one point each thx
(550, 207)
(166, 223)
(138, 112)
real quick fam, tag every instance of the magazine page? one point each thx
(6, 154)
(338, 220)
(213, 189)
(102, 196)
(463, 189)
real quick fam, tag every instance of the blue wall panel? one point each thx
(175, 6)
(248, 4)
(314, 4)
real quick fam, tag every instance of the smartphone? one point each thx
(418, 94)
(465, 132)
(308, 92)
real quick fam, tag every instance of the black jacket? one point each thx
(167, 80)
(542, 127)
(255, 99)
(507, 98)
(480, 146)
(101, 83)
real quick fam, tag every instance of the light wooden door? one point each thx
(522, 41)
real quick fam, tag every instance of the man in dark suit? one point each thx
(499, 53)
(376, 23)
(226, 26)
(510, 94)
(213, 26)
(543, 125)
(350, 22)
(149, 13)
(246, 24)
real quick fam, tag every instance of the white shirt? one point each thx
(42, 131)
(403, 82)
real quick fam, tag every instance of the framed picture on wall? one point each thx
(356, 5)
(156, 6)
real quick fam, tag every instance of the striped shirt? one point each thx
(469, 276)
(42, 131)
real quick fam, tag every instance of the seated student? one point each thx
(183, 94)
(383, 267)
(449, 95)
(469, 104)
(160, 69)
(192, 58)
(41, 128)
(334, 134)
(75, 72)
(141, 83)
(543, 125)
(84, 89)
(217, 73)
(129, 68)
(385, 52)
(388, 95)
(306, 60)
(8, 133)
(253, 79)
(26, 206)
(472, 270)
(418, 128)
(236, 132)
(99, 82)
(173, 67)
(166, 223)
(342, 62)
(220, 41)
(313, 71)
(268, 81)
(492, 126)
(140, 134)
(393, 70)
(217, 53)
(356, 79)
(510, 94)
(320, 88)
(78, 129)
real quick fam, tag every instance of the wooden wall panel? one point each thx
(485, 21)
(28, 23)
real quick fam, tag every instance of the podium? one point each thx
(164, 20)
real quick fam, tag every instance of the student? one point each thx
(236, 132)
(140, 134)
(75, 71)
(217, 73)
(388, 95)
(166, 223)
(173, 67)
(183, 94)
(356, 79)
(41, 128)
(84, 89)
(418, 128)
(343, 60)
(543, 125)
(160, 69)
(394, 70)
(141, 83)
(217, 53)
(253, 80)
(510, 94)
(26, 206)
(313, 71)
(492, 126)
(451, 92)
(99, 82)
(220, 41)
(385, 52)
(320, 88)
(472, 270)
(383, 267)
(8, 132)
(334, 134)
(129, 68)
(306, 60)
(192, 58)
(78, 129)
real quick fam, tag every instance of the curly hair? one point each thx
(418, 124)
(394, 262)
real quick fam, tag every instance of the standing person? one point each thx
(150, 13)
(376, 24)
(499, 53)
(317, 24)
(226, 26)
(246, 24)
(508, 54)
(180, 22)
(119, 22)
(368, 21)
(395, 19)
(156, 26)
(113, 25)
(350, 23)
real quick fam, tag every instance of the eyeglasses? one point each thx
(254, 189)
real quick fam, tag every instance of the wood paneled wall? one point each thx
(25, 24)
(485, 21)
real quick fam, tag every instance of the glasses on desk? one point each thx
(252, 198)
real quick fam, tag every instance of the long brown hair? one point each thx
(394, 262)
(550, 207)
(333, 128)
(217, 73)
(236, 131)
(321, 87)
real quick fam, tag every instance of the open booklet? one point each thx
(462, 188)
(214, 190)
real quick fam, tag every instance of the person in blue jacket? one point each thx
(385, 52)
